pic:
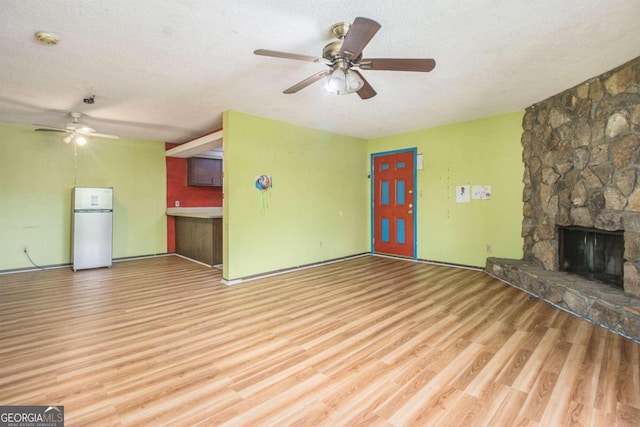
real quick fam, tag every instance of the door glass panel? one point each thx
(384, 193)
(400, 229)
(385, 166)
(385, 229)
(400, 192)
(400, 165)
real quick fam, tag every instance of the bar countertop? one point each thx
(196, 212)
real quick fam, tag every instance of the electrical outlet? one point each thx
(177, 203)
(489, 249)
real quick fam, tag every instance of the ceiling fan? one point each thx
(343, 55)
(77, 132)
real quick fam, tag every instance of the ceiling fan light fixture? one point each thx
(75, 138)
(336, 82)
(354, 82)
(342, 82)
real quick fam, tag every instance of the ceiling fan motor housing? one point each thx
(331, 52)
(75, 126)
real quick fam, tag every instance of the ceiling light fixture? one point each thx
(47, 38)
(342, 80)
(75, 138)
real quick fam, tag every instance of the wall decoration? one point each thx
(481, 192)
(463, 194)
(264, 183)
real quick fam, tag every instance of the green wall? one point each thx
(36, 178)
(317, 208)
(479, 152)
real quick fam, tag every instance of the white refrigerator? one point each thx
(92, 225)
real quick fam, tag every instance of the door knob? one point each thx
(410, 205)
(410, 212)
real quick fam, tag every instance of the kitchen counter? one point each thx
(198, 233)
(195, 212)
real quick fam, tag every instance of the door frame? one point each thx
(415, 198)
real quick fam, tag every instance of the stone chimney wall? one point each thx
(581, 151)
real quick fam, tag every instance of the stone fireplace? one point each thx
(581, 153)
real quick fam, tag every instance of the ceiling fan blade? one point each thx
(285, 55)
(75, 128)
(306, 82)
(50, 130)
(45, 128)
(423, 65)
(359, 35)
(366, 91)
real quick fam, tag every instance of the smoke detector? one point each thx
(47, 38)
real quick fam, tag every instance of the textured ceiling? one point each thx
(166, 70)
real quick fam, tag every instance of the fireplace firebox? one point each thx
(593, 254)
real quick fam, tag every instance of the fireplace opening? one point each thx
(593, 254)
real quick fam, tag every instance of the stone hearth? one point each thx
(606, 306)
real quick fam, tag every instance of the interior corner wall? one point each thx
(315, 210)
(480, 152)
(37, 173)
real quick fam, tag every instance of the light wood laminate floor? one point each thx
(369, 341)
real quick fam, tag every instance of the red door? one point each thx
(393, 204)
